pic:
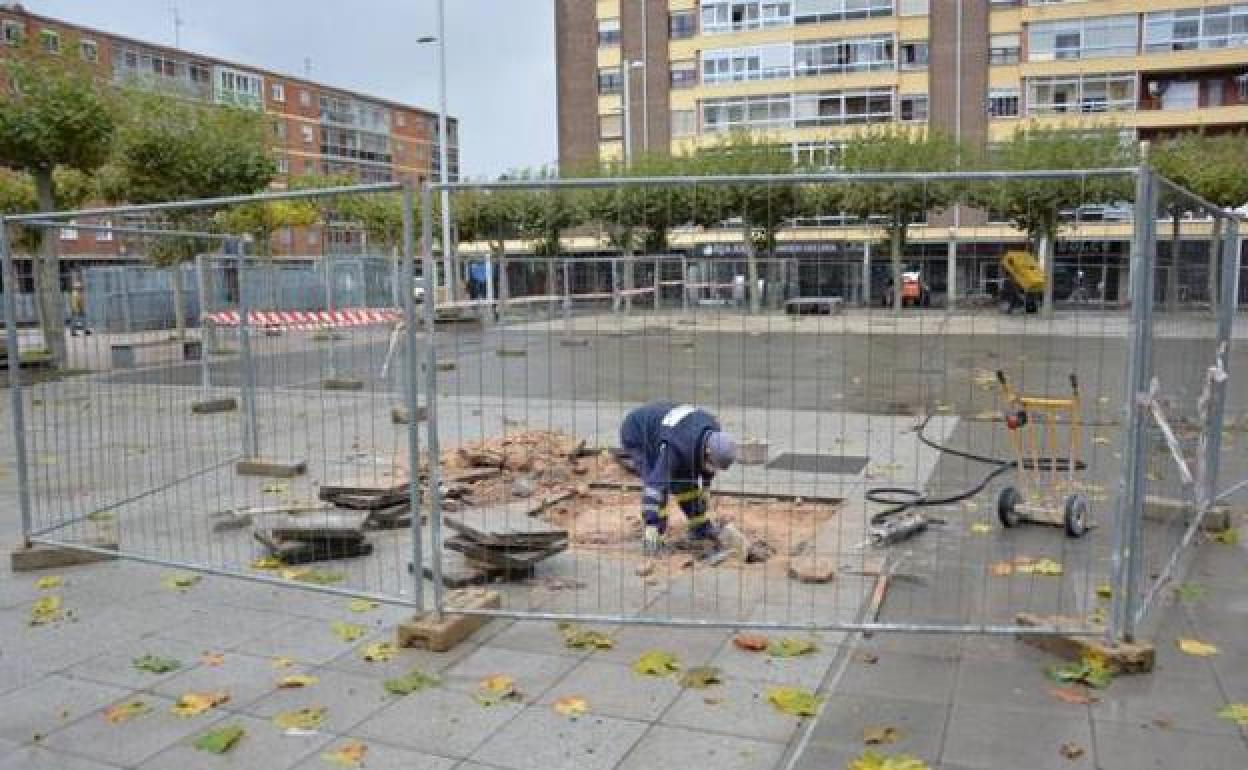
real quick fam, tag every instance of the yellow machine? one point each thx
(1024, 284)
(1038, 495)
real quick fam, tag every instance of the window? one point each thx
(1112, 92)
(309, 134)
(684, 123)
(684, 74)
(50, 41)
(279, 129)
(70, 233)
(309, 167)
(1082, 38)
(822, 154)
(719, 17)
(850, 107)
(1004, 49)
(240, 89)
(283, 165)
(89, 50)
(914, 55)
(608, 32)
(200, 74)
(610, 81)
(305, 98)
(767, 111)
(1219, 26)
(314, 237)
(104, 236)
(682, 25)
(400, 120)
(828, 57)
(14, 32)
(912, 7)
(610, 126)
(726, 65)
(278, 92)
(1003, 103)
(912, 108)
(819, 11)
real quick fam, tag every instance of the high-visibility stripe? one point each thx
(676, 414)
(697, 521)
(689, 494)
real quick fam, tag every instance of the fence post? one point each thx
(251, 435)
(1229, 243)
(410, 367)
(327, 266)
(866, 274)
(16, 404)
(684, 284)
(1127, 535)
(205, 376)
(431, 408)
(127, 313)
(658, 286)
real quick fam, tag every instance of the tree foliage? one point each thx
(1214, 166)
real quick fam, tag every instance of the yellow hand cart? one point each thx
(1045, 488)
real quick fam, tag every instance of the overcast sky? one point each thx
(500, 56)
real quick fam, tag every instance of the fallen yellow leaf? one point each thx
(1046, 567)
(267, 563)
(378, 652)
(794, 701)
(309, 718)
(880, 735)
(124, 712)
(362, 605)
(296, 681)
(195, 703)
(1198, 648)
(212, 658)
(981, 528)
(347, 632)
(180, 581)
(349, 754)
(1102, 440)
(1002, 569)
(656, 663)
(1236, 712)
(871, 760)
(571, 706)
(51, 581)
(46, 610)
(496, 689)
(283, 662)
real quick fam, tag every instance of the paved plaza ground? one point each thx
(847, 386)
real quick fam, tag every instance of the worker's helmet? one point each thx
(721, 450)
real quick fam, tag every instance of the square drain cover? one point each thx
(843, 465)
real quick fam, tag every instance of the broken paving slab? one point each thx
(501, 527)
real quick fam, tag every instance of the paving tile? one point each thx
(438, 721)
(803, 671)
(308, 640)
(116, 667)
(980, 736)
(219, 628)
(349, 697)
(913, 677)
(262, 746)
(1121, 746)
(543, 637)
(246, 678)
(1012, 686)
(673, 747)
(132, 742)
(821, 755)
(737, 707)
(405, 659)
(692, 647)
(613, 689)
(534, 673)
(540, 739)
(381, 756)
(920, 725)
(49, 704)
(1188, 703)
(38, 758)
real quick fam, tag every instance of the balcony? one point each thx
(1171, 100)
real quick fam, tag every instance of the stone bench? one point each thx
(125, 355)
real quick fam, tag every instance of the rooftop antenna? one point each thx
(307, 67)
(177, 25)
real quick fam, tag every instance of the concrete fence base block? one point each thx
(512, 352)
(40, 557)
(399, 415)
(439, 634)
(214, 406)
(574, 342)
(1136, 657)
(269, 468)
(342, 383)
(1165, 509)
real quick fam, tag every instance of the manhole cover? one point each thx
(844, 465)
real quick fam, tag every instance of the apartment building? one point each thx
(811, 73)
(317, 129)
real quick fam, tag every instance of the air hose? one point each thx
(901, 520)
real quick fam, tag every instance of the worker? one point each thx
(676, 450)
(77, 309)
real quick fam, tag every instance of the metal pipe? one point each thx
(431, 407)
(444, 171)
(206, 203)
(16, 404)
(1216, 211)
(205, 376)
(410, 368)
(626, 110)
(143, 231)
(251, 435)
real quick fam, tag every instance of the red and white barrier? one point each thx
(308, 320)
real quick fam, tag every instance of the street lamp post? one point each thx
(443, 147)
(626, 75)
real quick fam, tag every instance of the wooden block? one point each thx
(1164, 509)
(274, 469)
(399, 415)
(1122, 658)
(441, 634)
(214, 406)
(342, 383)
(40, 557)
(812, 569)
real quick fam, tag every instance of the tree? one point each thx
(1035, 206)
(896, 204)
(544, 216)
(54, 115)
(494, 216)
(170, 149)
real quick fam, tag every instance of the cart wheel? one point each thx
(1076, 516)
(1007, 507)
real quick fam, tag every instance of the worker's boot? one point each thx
(732, 539)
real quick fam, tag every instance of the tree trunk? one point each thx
(179, 302)
(504, 282)
(897, 238)
(751, 269)
(1045, 248)
(47, 274)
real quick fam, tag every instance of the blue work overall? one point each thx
(666, 443)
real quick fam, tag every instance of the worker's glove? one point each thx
(651, 541)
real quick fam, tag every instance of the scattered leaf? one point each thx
(1227, 537)
(867, 657)
(791, 647)
(309, 718)
(347, 632)
(1191, 593)
(970, 506)
(276, 488)
(1198, 648)
(751, 642)
(880, 735)
(193, 704)
(212, 658)
(871, 760)
(1076, 696)
(943, 407)
(701, 677)
(124, 712)
(46, 610)
(981, 528)
(154, 664)
(49, 582)
(1098, 616)
(571, 706)
(1236, 712)
(283, 662)
(794, 701)
(585, 639)
(99, 517)
(1071, 751)
(413, 681)
(219, 741)
(1046, 567)
(362, 605)
(1101, 440)
(1092, 672)
(318, 577)
(1105, 591)
(1163, 723)
(180, 581)
(268, 563)
(378, 652)
(349, 754)
(496, 689)
(296, 681)
(656, 663)
(1002, 569)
